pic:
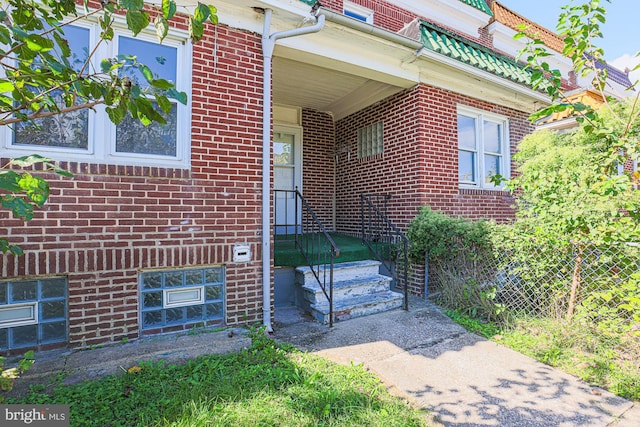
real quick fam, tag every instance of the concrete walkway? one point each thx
(420, 354)
(463, 379)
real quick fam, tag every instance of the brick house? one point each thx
(162, 229)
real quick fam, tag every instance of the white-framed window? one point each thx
(358, 12)
(370, 140)
(88, 135)
(483, 147)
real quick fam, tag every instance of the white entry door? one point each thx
(287, 175)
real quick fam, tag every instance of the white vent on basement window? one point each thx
(18, 315)
(370, 140)
(183, 297)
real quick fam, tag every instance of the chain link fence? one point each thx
(595, 284)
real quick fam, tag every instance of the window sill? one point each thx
(467, 191)
(82, 168)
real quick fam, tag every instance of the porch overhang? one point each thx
(350, 65)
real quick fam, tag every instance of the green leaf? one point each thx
(136, 92)
(181, 97)
(30, 160)
(16, 250)
(6, 86)
(137, 21)
(162, 84)
(164, 103)
(5, 35)
(201, 13)
(38, 43)
(168, 9)
(63, 44)
(116, 114)
(147, 112)
(146, 73)
(162, 27)
(107, 34)
(196, 30)
(36, 188)
(9, 181)
(132, 5)
(213, 17)
(18, 206)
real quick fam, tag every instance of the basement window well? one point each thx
(33, 312)
(185, 297)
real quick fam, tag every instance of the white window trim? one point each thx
(32, 320)
(356, 9)
(101, 132)
(184, 303)
(481, 116)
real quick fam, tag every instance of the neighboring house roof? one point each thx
(620, 77)
(478, 4)
(553, 41)
(567, 119)
(463, 50)
(514, 21)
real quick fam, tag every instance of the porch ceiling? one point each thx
(338, 93)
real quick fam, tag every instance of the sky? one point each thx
(621, 32)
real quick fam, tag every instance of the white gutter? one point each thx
(371, 29)
(268, 45)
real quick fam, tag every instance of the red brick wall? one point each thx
(419, 164)
(318, 164)
(108, 222)
(393, 172)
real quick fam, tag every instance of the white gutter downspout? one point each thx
(268, 45)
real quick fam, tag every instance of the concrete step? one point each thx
(358, 290)
(341, 271)
(347, 288)
(357, 306)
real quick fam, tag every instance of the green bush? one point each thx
(445, 237)
(461, 262)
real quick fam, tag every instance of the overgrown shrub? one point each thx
(461, 261)
(444, 237)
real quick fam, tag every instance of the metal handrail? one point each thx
(312, 239)
(384, 239)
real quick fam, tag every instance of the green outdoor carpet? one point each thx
(286, 254)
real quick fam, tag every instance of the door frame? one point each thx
(296, 131)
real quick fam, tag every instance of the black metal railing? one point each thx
(306, 232)
(385, 240)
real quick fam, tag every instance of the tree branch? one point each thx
(40, 115)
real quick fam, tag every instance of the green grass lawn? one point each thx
(265, 385)
(612, 363)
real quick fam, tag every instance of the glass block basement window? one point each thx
(181, 297)
(33, 312)
(370, 140)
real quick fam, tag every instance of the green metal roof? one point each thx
(480, 5)
(446, 43)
